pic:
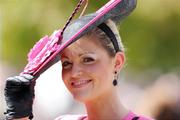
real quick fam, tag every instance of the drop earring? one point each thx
(115, 79)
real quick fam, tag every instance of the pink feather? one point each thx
(41, 51)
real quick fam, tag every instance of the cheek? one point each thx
(100, 71)
(64, 76)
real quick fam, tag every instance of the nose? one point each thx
(76, 71)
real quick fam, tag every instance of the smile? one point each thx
(80, 83)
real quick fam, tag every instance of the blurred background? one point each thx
(150, 80)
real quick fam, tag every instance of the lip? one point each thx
(80, 83)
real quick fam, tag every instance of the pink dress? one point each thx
(133, 116)
(130, 116)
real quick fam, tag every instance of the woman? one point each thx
(90, 68)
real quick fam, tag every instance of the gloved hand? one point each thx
(19, 95)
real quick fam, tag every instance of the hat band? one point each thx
(110, 34)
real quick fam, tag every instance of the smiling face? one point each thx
(88, 70)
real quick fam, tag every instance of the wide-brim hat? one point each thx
(116, 10)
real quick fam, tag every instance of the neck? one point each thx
(106, 107)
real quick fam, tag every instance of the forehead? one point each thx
(84, 45)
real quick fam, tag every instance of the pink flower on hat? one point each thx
(41, 51)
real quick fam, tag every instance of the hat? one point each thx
(46, 52)
(116, 10)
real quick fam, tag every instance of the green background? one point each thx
(151, 34)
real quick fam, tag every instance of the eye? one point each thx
(88, 60)
(66, 64)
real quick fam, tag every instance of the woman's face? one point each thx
(87, 69)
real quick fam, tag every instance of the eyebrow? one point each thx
(85, 53)
(81, 54)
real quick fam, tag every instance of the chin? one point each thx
(83, 94)
(82, 97)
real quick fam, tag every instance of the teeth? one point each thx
(78, 83)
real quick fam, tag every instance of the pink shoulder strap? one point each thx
(133, 116)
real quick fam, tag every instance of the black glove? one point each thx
(19, 95)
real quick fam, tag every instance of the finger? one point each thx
(23, 80)
(12, 81)
(28, 76)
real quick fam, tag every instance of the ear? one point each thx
(119, 61)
